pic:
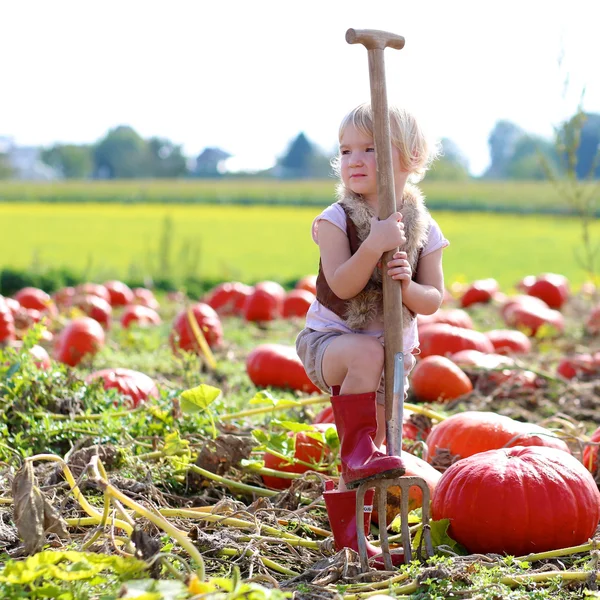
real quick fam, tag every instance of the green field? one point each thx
(261, 242)
(472, 194)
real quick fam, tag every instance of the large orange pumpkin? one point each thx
(81, 337)
(296, 303)
(443, 339)
(140, 315)
(95, 307)
(552, 288)
(451, 316)
(278, 365)
(530, 319)
(480, 291)
(32, 297)
(517, 501)
(309, 283)
(265, 303)
(134, 384)
(438, 379)
(120, 293)
(509, 341)
(471, 432)
(182, 335)
(228, 298)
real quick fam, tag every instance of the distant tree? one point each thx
(299, 154)
(70, 160)
(165, 158)
(452, 165)
(121, 154)
(303, 159)
(502, 142)
(530, 159)
(6, 171)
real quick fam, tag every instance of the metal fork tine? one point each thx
(360, 530)
(382, 485)
(406, 542)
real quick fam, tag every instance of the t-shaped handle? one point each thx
(373, 39)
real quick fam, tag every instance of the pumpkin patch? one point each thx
(499, 423)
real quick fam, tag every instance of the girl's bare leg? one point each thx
(355, 362)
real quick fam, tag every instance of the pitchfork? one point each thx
(375, 42)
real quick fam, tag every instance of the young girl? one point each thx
(341, 346)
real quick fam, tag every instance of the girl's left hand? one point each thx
(399, 268)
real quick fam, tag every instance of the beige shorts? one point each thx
(311, 346)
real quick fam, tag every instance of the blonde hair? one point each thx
(417, 152)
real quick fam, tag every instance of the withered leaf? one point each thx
(32, 513)
(146, 547)
(28, 512)
(224, 452)
(53, 522)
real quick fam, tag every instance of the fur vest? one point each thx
(367, 305)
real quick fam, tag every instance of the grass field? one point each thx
(261, 242)
(499, 195)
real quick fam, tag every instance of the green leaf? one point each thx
(263, 397)
(199, 398)
(286, 402)
(440, 537)
(260, 436)
(252, 463)
(67, 566)
(157, 413)
(279, 442)
(414, 517)
(174, 444)
(331, 438)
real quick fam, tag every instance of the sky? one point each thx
(248, 76)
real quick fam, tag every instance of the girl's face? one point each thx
(357, 163)
(358, 167)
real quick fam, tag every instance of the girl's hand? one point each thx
(387, 234)
(399, 268)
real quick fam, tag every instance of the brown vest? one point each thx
(367, 305)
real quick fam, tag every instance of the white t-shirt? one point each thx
(320, 318)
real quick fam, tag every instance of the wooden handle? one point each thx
(373, 39)
(376, 42)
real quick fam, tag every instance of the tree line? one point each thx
(514, 154)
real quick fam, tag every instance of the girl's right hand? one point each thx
(387, 234)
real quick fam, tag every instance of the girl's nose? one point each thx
(356, 160)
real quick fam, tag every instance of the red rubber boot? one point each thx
(356, 421)
(341, 511)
